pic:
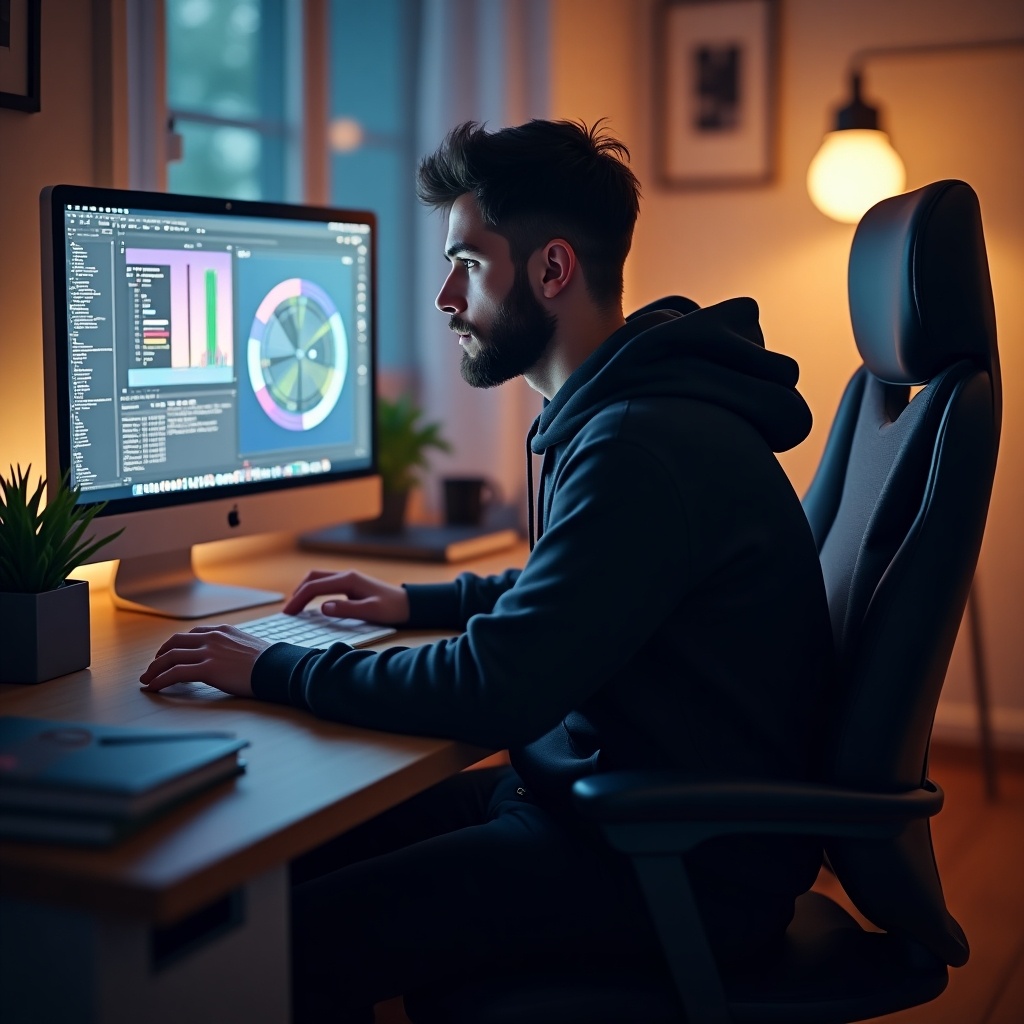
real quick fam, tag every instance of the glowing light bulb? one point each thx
(854, 169)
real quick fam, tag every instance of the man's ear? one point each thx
(559, 267)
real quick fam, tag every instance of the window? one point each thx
(235, 93)
(371, 138)
(232, 69)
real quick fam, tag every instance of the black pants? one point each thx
(468, 878)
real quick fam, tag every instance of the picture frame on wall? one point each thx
(715, 92)
(19, 54)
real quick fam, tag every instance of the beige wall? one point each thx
(949, 115)
(57, 145)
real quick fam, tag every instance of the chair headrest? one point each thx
(920, 293)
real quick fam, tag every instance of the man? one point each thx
(671, 613)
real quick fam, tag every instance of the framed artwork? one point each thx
(715, 92)
(19, 54)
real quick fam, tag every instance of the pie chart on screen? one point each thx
(297, 354)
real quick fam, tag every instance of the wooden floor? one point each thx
(979, 847)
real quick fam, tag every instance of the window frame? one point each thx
(151, 136)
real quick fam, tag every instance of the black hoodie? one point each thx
(671, 613)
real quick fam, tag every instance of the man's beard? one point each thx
(513, 343)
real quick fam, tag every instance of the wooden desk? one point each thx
(188, 919)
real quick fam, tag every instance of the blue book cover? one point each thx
(85, 769)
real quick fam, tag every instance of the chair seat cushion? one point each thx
(830, 969)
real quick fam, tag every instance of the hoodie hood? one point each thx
(673, 348)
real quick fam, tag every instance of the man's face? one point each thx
(502, 328)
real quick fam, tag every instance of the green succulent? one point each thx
(403, 442)
(39, 549)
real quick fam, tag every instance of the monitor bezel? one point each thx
(54, 200)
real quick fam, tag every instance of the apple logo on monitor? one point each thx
(233, 517)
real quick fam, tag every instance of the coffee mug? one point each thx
(466, 498)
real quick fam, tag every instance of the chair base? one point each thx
(828, 971)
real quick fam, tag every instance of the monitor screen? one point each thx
(210, 373)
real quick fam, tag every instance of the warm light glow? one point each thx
(345, 134)
(854, 169)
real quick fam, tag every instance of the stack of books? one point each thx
(419, 543)
(73, 782)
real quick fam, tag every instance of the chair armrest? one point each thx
(622, 798)
(654, 817)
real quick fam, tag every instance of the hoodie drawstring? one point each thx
(531, 515)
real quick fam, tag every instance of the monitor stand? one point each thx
(166, 584)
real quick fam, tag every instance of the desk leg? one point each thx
(227, 963)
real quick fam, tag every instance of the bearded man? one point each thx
(671, 613)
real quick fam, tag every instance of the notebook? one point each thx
(77, 780)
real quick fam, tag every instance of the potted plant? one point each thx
(402, 445)
(44, 613)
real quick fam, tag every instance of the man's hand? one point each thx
(221, 656)
(361, 597)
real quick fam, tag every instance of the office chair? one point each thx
(897, 508)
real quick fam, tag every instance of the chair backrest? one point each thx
(898, 509)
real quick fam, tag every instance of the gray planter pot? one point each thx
(45, 635)
(392, 515)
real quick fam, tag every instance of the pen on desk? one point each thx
(120, 741)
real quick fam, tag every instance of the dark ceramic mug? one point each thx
(466, 498)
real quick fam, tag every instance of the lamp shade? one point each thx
(854, 169)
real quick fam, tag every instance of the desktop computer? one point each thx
(210, 372)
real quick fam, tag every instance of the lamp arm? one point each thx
(861, 57)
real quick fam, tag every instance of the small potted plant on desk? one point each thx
(402, 446)
(45, 615)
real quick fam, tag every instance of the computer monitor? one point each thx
(209, 373)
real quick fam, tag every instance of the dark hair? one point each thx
(543, 180)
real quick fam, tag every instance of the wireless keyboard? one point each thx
(314, 629)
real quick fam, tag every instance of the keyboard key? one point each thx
(314, 629)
